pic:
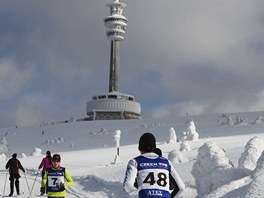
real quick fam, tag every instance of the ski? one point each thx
(13, 195)
(40, 195)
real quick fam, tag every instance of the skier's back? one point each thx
(151, 171)
(14, 165)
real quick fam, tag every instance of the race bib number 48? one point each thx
(154, 178)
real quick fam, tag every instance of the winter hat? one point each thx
(147, 142)
(48, 153)
(56, 157)
(14, 155)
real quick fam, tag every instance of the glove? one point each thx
(60, 185)
(42, 190)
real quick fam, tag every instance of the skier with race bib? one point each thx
(151, 172)
(57, 179)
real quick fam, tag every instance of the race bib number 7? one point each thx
(53, 180)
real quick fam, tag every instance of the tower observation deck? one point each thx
(114, 105)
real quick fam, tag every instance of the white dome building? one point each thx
(113, 106)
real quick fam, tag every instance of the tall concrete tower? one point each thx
(114, 105)
(116, 25)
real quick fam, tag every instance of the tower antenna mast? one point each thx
(116, 25)
(114, 105)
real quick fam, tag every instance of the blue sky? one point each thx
(178, 56)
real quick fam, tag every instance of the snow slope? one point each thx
(88, 151)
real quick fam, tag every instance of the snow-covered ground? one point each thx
(88, 150)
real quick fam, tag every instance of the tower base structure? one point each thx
(113, 106)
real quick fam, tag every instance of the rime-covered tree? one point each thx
(251, 154)
(213, 169)
(191, 134)
(172, 136)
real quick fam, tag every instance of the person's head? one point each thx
(56, 160)
(158, 152)
(14, 155)
(147, 143)
(48, 153)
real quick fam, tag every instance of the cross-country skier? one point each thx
(45, 163)
(57, 179)
(14, 165)
(151, 171)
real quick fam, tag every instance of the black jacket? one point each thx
(14, 165)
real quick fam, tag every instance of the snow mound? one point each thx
(2, 157)
(172, 136)
(185, 146)
(250, 156)
(3, 145)
(212, 168)
(23, 155)
(191, 134)
(256, 187)
(176, 157)
(259, 120)
(36, 152)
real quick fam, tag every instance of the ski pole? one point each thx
(27, 182)
(5, 184)
(33, 183)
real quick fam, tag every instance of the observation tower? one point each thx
(114, 105)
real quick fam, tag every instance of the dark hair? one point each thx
(56, 157)
(48, 155)
(14, 155)
(158, 151)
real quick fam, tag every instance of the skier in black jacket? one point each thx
(14, 165)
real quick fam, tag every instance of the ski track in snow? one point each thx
(75, 193)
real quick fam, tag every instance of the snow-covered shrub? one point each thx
(176, 157)
(172, 136)
(250, 156)
(185, 146)
(2, 157)
(211, 169)
(191, 134)
(232, 120)
(241, 121)
(229, 119)
(23, 155)
(256, 188)
(55, 141)
(3, 145)
(36, 152)
(117, 136)
(59, 140)
(259, 120)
